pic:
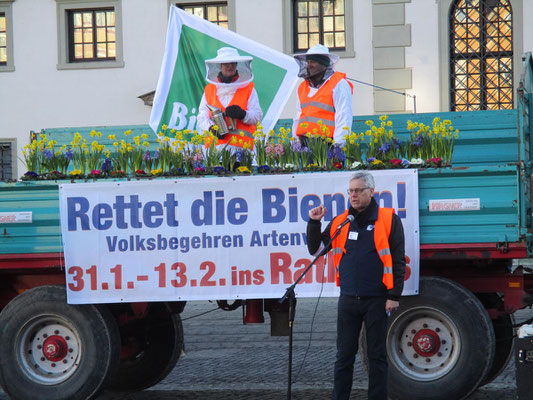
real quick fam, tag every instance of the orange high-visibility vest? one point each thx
(240, 98)
(382, 228)
(319, 107)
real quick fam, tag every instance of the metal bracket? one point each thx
(503, 247)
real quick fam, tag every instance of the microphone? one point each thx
(348, 219)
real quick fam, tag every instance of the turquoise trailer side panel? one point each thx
(43, 235)
(498, 219)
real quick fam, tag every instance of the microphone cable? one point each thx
(312, 321)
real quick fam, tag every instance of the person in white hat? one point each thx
(231, 90)
(325, 95)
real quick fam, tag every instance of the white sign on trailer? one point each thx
(239, 237)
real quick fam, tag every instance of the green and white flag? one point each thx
(190, 41)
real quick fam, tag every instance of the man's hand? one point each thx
(391, 306)
(235, 111)
(318, 212)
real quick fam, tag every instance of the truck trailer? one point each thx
(454, 336)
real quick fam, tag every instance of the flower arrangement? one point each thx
(353, 146)
(431, 142)
(383, 144)
(192, 153)
(318, 145)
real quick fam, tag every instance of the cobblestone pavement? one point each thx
(226, 360)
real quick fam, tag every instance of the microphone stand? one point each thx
(289, 294)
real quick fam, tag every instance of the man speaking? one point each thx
(369, 255)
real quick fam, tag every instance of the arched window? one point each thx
(481, 55)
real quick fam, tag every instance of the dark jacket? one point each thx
(361, 269)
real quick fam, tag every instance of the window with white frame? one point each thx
(319, 21)
(90, 34)
(6, 36)
(328, 22)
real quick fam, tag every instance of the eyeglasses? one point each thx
(356, 191)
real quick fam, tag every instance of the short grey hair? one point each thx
(366, 177)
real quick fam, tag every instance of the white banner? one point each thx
(212, 238)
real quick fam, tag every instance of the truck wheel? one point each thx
(503, 332)
(56, 351)
(440, 343)
(151, 349)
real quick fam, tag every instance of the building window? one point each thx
(213, 12)
(481, 55)
(319, 21)
(6, 36)
(6, 161)
(3, 39)
(92, 35)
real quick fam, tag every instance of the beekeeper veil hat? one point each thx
(319, 53)
(229, 55)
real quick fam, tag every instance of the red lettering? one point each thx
(259, 277)
(245, 277)
(303, 263)
(280, 264)
(331, 269)
(320, 267)
(407, 268)
(210, 272)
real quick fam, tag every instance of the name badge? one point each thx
(353, 235)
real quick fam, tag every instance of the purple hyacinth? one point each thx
(239, 154)
(296, 146)
(106, 165)
(384, 148)
(156, 155)
(336, 153)
(147, 156)
(47, 154)
(418, 141)
(68, 154)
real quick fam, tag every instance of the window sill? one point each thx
(7, 68)
(91, 65)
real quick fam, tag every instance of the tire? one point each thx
(157, 343)
(55, 351)
(503, 333)
(440, 343)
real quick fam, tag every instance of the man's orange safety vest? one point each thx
(240, 98)
(320, 107)
(382, 228)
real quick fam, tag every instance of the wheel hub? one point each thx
(426, 342)
(49, 349)
(55, 348)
